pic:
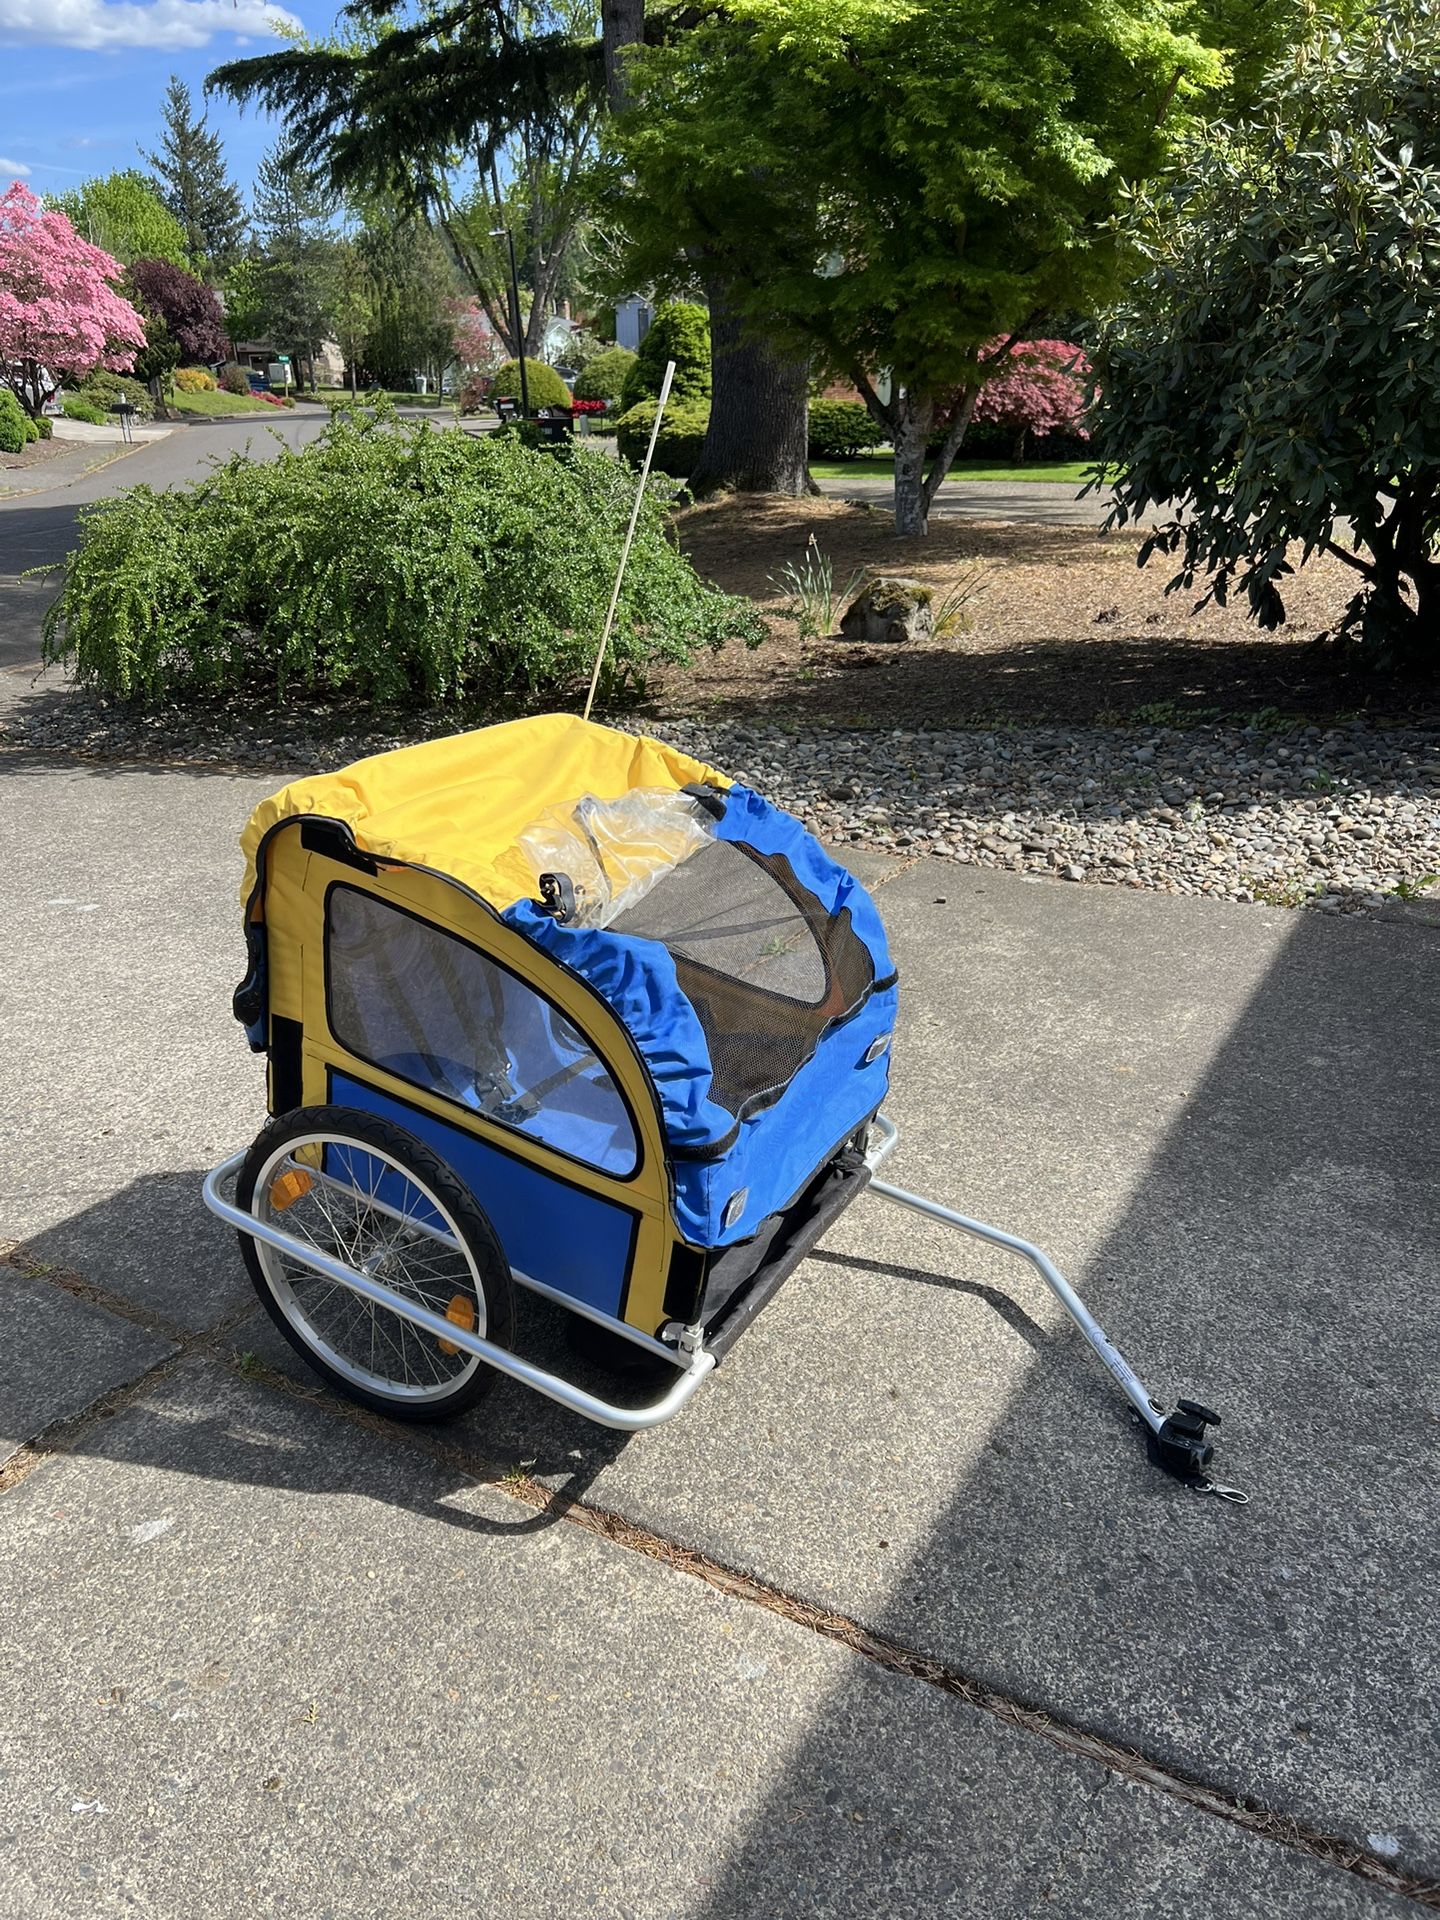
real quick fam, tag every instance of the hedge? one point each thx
(677, 451)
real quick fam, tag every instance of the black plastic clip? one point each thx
(557, 896)
(1182, 1449)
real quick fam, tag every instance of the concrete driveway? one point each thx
(896, 1619)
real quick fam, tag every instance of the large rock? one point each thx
(889, 609)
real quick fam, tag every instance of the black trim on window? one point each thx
(444, 933)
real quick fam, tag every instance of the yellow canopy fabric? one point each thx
(457, 805)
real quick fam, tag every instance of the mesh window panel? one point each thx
(763, 965)
(428, 1008)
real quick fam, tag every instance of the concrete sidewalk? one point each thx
(267, 1657)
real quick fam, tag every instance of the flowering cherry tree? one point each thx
(1043, 389)
(59, 312)
(477, 346)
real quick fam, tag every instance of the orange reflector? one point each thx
(292, 1185)
(460, 1313)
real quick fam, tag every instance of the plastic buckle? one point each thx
(1182, 1449)
(557, 896)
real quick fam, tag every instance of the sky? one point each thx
(82, 81)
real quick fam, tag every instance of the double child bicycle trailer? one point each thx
(554, 1007)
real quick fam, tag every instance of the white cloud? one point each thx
(13, 169)
(167, 24)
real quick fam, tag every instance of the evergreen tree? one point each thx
(293, 214)
(194, 182)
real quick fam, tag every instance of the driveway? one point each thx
(896, 1619)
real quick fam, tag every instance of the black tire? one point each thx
(490, 1283)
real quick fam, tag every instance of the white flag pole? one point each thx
(629, 536)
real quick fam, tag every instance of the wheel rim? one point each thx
(359, 1204)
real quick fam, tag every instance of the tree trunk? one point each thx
(911, 430)
(759, 404)
(622, 24)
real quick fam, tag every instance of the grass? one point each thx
(882, 467)
(212, 405)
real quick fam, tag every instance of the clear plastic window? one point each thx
(428, 1008)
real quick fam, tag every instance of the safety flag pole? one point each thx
(629, 536)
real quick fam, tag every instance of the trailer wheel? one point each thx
(367, 1193)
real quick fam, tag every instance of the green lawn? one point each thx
(210, 405)
(882, 467)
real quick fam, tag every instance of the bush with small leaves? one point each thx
(106, 390)
(842, 429)
(194, 380)
(388, 563)
(682, 432)
(679, 332)
(234, 379)
(542, 383)
(77, 407)
(604, 378)
(14, 423)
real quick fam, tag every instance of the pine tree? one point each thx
(195, 184)
(293, 214)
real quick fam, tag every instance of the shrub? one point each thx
(44, 427)
(679, 332)
(841, 429)
(77, 407)
(234, 379)
(604, 378)
(546, 388)
(682, 431)
(1268, 382)
(389, 563)
(103, 389)
(194, 380)
(14, 423)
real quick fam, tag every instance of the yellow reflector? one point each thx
(460, 1313)
(292, 1185)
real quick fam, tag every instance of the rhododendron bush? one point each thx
(59, 312)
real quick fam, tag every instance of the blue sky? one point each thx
(82, 81)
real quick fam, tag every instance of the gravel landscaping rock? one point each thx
(1338, 818)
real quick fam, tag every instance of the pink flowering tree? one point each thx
(476, 345)
(1042, 389)
(59, 312)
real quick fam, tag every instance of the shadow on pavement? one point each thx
(1282, 1256)
(155, 1246)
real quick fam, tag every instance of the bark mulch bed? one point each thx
(1065, 628)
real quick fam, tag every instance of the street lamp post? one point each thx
(495, 234)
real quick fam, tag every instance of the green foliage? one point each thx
(77, 407)
(44, 426)
(1274, 370)
(103, 389)
(195, 380)
(604, 378)
(812, 599)
(387, 563)
(682, 432)
(194, 183)
(841, 429)
(123, 214)
(885, 183)
(679, 332)
(14, 423)
(543, 383)
(234, 379)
